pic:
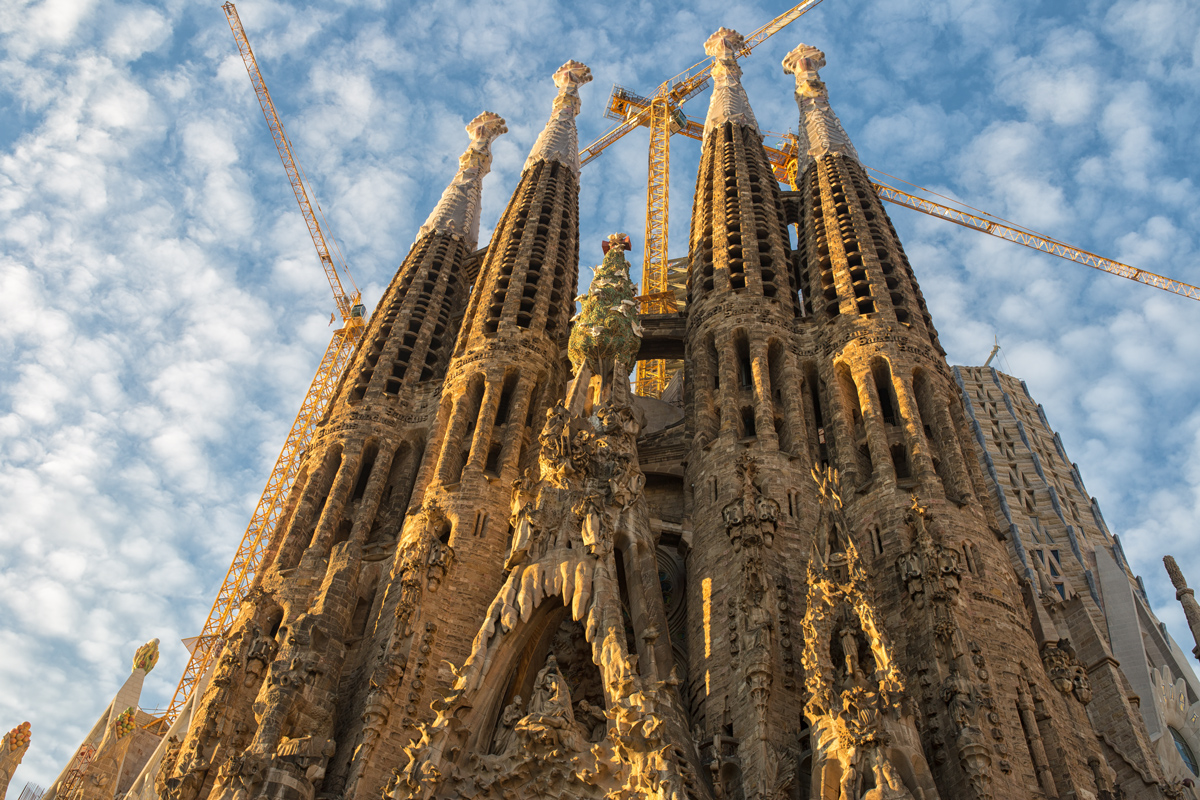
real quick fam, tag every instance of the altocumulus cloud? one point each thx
(163, 311)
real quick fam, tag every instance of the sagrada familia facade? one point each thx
(837, 569)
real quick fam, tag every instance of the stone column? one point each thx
(877, 438)
(515, 431)
(335, 506)
(910, 415)
(485, 422)
(373, 492)
(459, 418)
(764, 408)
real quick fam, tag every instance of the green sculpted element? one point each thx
(606, 334)
(146, 656)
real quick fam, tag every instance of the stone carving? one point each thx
(550, 719)
(457, 212)
(1065, 672)
(729, 102)
(146, 656)
(258, 655)
(856, 696)
(912, 574)
(441, 556)
(167, 766)
(554, 458)
(294, 667)
(753, 517)
(558, 141)
(821, 132)
(504, 729)
(522, 505)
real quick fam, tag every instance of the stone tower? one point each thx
(302, 694)
(750, 459)
(502, 574)
(960, 691)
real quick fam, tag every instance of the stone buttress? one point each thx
(294, 705)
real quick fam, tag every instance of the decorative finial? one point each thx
(146, 656)
(457, 212)
(18, 737)
(124, 724)
(821, 133)
(729, 102)
(725, 44)
(559, 140)
(1177, 579)
(620, 240)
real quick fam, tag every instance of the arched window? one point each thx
(1185, 752)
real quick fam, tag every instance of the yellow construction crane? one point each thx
(337, 357)
(662, 115)
(1028, 238)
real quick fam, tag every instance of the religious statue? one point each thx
(504, 728)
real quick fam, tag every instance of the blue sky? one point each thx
(163, 309)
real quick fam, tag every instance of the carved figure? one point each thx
(733, 516)
(504, 729)
(849, 641)
(1059, 661)
(592, 719)
(591, 530)
(441, 556)
(949, 568)
(258, 655)
(956, 693)
(911, 574)
(522, 505)
(1081, 687)
(768, 516)
(551, 699)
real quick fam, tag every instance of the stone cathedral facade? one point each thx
(500, 574)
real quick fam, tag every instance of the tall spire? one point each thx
(457, 213)
(559, 140)
(729, 102)
(821, 133)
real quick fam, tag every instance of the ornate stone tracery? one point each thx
(864, 736)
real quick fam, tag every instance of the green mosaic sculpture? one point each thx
(606, 334)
